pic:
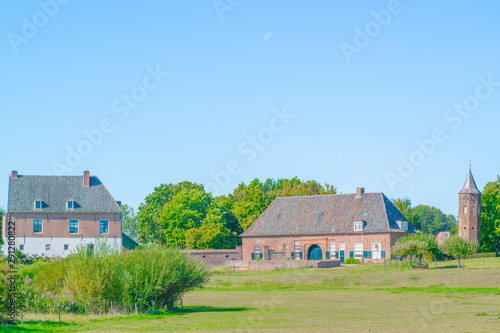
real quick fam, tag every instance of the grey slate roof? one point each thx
(470, 186)
(328, 214)
(55, 191)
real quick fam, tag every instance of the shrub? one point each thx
(155, 274)
(351, 261)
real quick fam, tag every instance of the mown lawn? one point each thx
(360, 298)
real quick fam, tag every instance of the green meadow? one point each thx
(361, 298)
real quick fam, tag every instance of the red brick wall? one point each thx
(214, 254)
(57, 225)
(287, 244)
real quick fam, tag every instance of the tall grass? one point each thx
(94, 279)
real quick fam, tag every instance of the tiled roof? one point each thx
(328, 214)
(470, 186)
(55, 191)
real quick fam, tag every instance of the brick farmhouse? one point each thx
(360, 225)
(53, 215)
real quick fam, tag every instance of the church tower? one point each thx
(469, 210)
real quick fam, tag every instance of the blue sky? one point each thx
(353, 117)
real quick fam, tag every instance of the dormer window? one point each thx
(403, 225)
(71, 204)
(38, 204)
(358, 225)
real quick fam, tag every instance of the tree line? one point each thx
(185, 215)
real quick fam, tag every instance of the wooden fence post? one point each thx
(59, 313)
(22, 322)
(153, 304)
(112, 313)
(135, 308)
(182, 305)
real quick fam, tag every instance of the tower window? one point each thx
(465, 210)
(473, 210)
(465, 228)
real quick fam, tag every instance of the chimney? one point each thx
(14, 174)
(86, 179)
(359, 192)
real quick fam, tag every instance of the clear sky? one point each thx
(335, 91)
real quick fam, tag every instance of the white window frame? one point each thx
(297, 247)
(72, 205)
(256, 248)
(341, 246)
(465, 210)
(376, 254)
(77, 226)
(358, 250)
(41, 204)
(66, 247)
(107, 227)
(332, 247)
(47, 247)
(41, 226)
(358, 225)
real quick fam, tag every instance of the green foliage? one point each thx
(459, 247)
(427, 219)
(419, 244)
(351, 261)
(130, 225)
(185, 215)
(490, 217)
(155, 274)
(251, 200)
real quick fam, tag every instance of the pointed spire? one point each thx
(470, 186)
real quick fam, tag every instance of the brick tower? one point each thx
(469, 210)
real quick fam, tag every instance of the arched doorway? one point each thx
(315, 253)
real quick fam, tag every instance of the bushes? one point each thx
(90, 279)
(351, 261)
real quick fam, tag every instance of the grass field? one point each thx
(360, 298)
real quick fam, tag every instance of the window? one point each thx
(473, 210)
(47, 247)
(297, 247)
(66, 247)
(38, 204)
(73, 226)
(358, 225)
(403, 225)
(376, 250)
(332, 247)
(71, 204)
(342, 247)
(21, 247)
(256, 248)
(465, 210)
(37, 226)
(103, 226)
(358, 250)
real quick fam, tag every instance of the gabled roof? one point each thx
(470, 186)
(55, 191)
(328, 214)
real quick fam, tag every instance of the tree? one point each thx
(431, 220)
(490, 217)
(129, 222)
(418, 244)
(251, 200)
(148, 217)
(404, 206)
(185, 211)
(459, 248)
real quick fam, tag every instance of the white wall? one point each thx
(38, 245)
